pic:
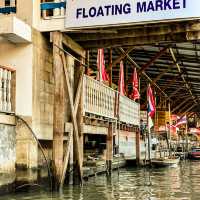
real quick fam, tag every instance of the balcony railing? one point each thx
(7, 89)
(7, 6)
(100, 100)
(52, 9)
(129, 111)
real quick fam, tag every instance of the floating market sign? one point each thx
(96, 13)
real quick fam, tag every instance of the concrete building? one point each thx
(27, 60)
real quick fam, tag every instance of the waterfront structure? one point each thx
(65, 107)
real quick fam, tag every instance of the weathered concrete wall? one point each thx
(43, 87)
(7, 154)
(41, 119)
(26, 146)
(20, 57)
(127, 143)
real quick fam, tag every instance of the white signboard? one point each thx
(97, 13)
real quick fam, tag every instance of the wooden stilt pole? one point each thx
(58, 112)
(109, 147)
(138, 147)
(66, 158)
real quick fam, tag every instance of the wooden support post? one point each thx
(109, 148)
(59, 108)
(66, 158)
(138, 147)
(74, 120)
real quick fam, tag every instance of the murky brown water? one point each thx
(180, 183)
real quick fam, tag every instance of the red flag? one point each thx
(102, 75)
(135, 93)
(121, 84)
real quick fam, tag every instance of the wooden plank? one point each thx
(66, 158)
(78, 92)
(58, 112)
(74, 121)
(67, 41)
(94, 129)
(146, 40)
(138, 31)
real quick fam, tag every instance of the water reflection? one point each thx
(180, 183)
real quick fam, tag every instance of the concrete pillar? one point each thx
(59, 109)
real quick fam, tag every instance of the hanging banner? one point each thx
(104, 13)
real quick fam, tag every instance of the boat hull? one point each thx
(164, 162)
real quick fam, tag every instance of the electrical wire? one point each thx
(40, 146)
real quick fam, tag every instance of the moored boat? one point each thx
(165, 161)
(194, 153)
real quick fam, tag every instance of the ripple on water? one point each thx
(181, 183)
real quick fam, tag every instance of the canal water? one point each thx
(175, 183)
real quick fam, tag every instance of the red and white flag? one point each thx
(121, 84)
(135, 93)
(182, 120)
(151, 108)
(151, 102)
(102, 75)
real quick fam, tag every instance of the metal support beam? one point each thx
(181, 104)
(174, 93)
(158, 77)
(188, 110)
(145, 75)
(152, 60)
(122, 56)
(184, 107)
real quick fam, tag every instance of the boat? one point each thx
(194, 153)
(165, 161)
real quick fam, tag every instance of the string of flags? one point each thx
(103, 76)
(151, 107)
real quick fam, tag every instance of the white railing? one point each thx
(53, 8)
(98, 98)
(129, 111)
(5, 89)
(7, 7)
